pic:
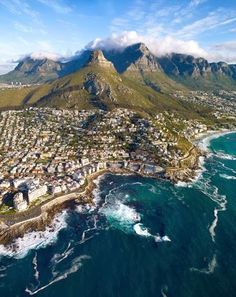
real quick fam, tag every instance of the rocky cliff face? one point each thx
(186, 65)
(34, 71)
(136, 57)
(97, 58)
(96, 85)
(135, 61)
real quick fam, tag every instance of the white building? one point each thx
(19, 202)
(37, 192)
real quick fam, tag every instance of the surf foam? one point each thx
(36, 239)
(75, 266)
(143, 231)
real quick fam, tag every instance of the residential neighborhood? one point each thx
(47, 152)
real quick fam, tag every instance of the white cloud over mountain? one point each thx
(159, 46)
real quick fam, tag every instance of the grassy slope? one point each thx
(209, 83)
(13, 97)
(156, 80)
(130, 91)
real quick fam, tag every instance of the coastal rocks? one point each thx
(10, 232)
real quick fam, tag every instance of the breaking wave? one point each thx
(121, 215)
(225, 156)
(143, 231)
(228, 176)
(20, 247)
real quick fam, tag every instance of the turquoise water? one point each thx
(146, 237)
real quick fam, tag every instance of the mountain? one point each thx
(98, 85)
(30, 71)
(198, 73)
(163, 74)
(136, 57)
(137, 62)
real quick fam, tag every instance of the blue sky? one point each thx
(199, 27)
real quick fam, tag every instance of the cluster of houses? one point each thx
(221, 101)
(47, 151)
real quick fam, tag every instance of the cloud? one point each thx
(212, 21)
(57, 6)
(40, 55)
(23, 28)
(159, 46)
(6, 67)
(196, 2)
(19, 7)
(225, 51)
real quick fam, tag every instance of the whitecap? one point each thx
(121, 213)
(225, 156)
(183, 184)
(225, 176)
(143, 231)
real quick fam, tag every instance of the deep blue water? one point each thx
(145, 238)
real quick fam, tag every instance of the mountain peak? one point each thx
(140, 58)
(97, 58)
(140, 47)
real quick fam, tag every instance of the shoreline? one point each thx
(202, 140)
(38, 221)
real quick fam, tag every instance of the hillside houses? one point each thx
(53, 151)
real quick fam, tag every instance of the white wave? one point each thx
(212, 192)
(35, 266)
(83, 208)
(198, 175)
(75, 266)
(57, 258)
(143, 231)
(120, 212)
(225, 156)
(161, 239)
(210, 268)
(182, 184)
(164, 290)
(226, 167)
(95, 227)
(205, 142)
(36, 239)
(227, 176)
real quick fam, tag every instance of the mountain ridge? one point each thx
(134, 60)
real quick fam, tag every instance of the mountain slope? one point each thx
(30, 71)
(99, 85)
(138, 63)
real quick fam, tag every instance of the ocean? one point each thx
(144, 238)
